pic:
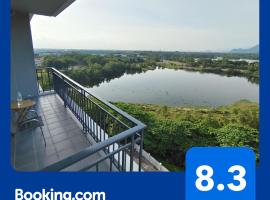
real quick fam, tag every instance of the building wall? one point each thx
(23, 74)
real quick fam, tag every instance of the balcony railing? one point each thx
(117, 135)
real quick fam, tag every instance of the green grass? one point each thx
(224, 114)
(172, 131)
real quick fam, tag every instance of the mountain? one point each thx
(254, 49)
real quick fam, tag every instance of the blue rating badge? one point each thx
(220, 173)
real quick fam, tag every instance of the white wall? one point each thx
(23, 74)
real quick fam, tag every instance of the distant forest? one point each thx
(90, 70)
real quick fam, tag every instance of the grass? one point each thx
(171, 131)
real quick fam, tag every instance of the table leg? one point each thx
(22, 113)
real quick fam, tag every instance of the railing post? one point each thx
(37, 74)
(84, 111)
(64, 91)
(50, 79)
(55, 82)
(140, 152)
(131, 153)
(65, 101)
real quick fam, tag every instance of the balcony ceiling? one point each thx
(41, 7)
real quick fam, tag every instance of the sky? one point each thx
(166, 25)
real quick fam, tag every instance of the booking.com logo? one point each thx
(20, 194)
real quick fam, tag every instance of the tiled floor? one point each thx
(63, 135)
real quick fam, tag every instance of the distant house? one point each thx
(39, 61)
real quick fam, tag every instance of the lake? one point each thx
(177, 88)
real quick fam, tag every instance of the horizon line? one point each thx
(183, 51)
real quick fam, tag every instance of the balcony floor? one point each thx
(63, 134)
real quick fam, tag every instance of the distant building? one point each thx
(39, 61)
(217, 59)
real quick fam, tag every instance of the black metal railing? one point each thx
(116, 133)
(45, 80)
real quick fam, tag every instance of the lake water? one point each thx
(177, 88)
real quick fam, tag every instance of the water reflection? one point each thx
(177, 87)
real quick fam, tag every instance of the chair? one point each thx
(32, 121)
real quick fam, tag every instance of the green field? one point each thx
(172, 131)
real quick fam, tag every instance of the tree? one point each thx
(238, 135)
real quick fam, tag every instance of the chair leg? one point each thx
(43, 136)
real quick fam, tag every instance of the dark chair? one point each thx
(32, 121)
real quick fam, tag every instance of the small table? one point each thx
(21, 108)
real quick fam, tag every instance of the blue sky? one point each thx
(183, 25)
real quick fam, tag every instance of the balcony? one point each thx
(82, 131)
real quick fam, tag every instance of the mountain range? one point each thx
(254, 49)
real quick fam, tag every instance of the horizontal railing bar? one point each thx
(110, 114)
(106, 157)
(92, 149)
(110, 154)
(119, 111)
(70, 84)
(104, 110)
